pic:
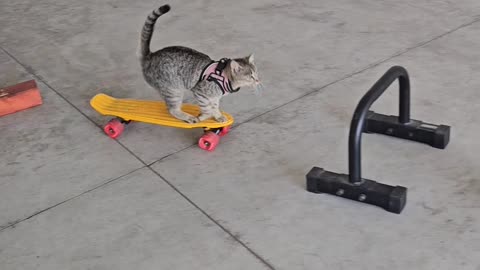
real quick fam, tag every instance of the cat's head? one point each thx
(244, 72)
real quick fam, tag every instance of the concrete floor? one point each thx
(72, 198)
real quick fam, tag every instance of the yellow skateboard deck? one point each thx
(152, 112)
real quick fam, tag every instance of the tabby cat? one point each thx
(173, 70)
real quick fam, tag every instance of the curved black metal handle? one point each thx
(358, 120)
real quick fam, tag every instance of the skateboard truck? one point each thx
(353, 186)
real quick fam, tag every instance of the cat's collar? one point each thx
(215, 71)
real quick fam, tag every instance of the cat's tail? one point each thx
(147, 30)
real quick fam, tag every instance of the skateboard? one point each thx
(155, 112)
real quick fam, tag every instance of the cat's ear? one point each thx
(250, 58)
(235, 66)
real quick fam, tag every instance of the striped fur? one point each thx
(176, 69)
(147, 30)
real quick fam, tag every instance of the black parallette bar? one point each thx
(352, 185)
(436, 136)
(358, 122)
(392, 199)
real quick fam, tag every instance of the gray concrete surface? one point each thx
(71, 198)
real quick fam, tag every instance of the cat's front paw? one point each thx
(221, 119)
(192, 120)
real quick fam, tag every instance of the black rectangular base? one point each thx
(390, 198)
(437, 136)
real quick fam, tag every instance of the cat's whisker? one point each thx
(259, 88)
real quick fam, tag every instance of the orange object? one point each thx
(152, 112)
(19, 97)
(156, 112)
